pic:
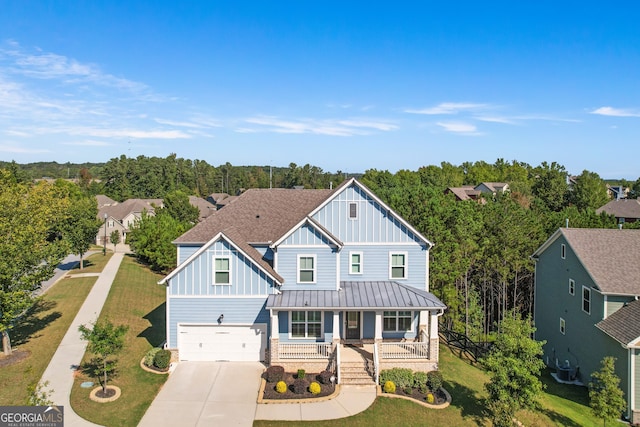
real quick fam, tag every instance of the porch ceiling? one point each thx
(358, 295)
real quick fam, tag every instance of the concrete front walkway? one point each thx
(69, 354)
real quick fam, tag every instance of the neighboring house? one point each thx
(617, 192)
(292, 276)
(205, 207)
(625, 210)
(587, 284)
(469, 192)
(217, 199)
(122, 216)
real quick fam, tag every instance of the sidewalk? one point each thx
(69, 354)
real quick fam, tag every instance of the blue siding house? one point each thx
(305, 279)
(587, 305)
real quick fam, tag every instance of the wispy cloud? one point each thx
(495, 119)
(459, 128)
(330, 127)
(616, 112)
(447, 108)
(6, 148)
(88, 143)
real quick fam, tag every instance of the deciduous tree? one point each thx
(605, 397)
(104, 340)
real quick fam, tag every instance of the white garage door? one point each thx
(236, 343)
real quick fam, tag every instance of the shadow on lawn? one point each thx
(32, 324)
(466, 400)
(559, 419)
(155, 334)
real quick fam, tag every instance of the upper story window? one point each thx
(306, 269)
(562, 326)
(586, 300)
(222, 271)
(353, 210)
(356, 263)
(572, 287)
(398, 265)
(306, 324)
(563, 251)
(396, 321)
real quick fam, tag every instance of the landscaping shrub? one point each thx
(314, 388)
(325, 377)
(149, 356)
(162, 359)
(301, 374)
(430, 398)
(420, 381)
(389, 387)
(434, 380)
(281, 387)
(401, 377)
(274, 374)
(299, 386)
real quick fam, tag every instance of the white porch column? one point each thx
(274, 340)
(378, 329)
(336, 326)
(433, 335)
(275, 327)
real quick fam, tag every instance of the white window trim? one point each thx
(349, 211)
(315, 269)
(306, 329)
(563, 326)
(215, 257)
(406, 265)
(572, 287)
(563, 251)
(583, 299)
(397, 321)
(351, 262)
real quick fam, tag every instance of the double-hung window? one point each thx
(306, 324)
(586, 300)
(562, 326)
(572, 287)
(222, 271)
(306, 269)
(355, 263)
(396, 321)
(353, 210)
(398, 265)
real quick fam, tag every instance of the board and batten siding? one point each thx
(203, 311)
(307, 236)
(325, 267)
(372, 224)
(185, 251)
(196, 278)
(375, 262)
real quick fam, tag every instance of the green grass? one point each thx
(562, 405)
(94, 263)
(138, 301)
(40, 333)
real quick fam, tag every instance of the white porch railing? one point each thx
(319, 350)
(404, 350)
(376, 363)
(338, 374)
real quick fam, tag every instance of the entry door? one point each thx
(353, 325)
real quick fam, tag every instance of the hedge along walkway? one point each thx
(67, 358)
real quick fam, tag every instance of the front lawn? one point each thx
(39, 333)
(138, 301)
(94, 263)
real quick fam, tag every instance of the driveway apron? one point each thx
(207, 394)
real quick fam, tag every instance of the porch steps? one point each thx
(355, 373)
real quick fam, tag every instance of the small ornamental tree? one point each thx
(104, 340)
(605, 397)
(514, 367)
(115, 238)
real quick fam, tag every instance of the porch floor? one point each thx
(351, 353)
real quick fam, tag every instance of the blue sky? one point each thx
(341, 85)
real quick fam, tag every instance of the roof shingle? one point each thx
(624, 324)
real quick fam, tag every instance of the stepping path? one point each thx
(69, 354)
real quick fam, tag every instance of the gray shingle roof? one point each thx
(360, 295)
(611, 256)
(625, 208)
(624, 324)
(258, 215)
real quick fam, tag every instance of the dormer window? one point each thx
(353, 210)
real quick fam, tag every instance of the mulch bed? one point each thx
(15, 357)
(110, 392)
(422, 397)
(271, 393)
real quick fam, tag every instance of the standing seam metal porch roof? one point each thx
(357, 295)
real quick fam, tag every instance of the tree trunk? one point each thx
(104, 384)
(6, 343)
(81, 262)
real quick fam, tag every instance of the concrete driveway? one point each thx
(207, 394)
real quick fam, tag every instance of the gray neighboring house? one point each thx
(204, 206)
(587, 286)
(121, 216)
(625, 210)
(470, 192)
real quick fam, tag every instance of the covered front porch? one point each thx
(367, 326)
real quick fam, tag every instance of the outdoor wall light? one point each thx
(221, 318)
